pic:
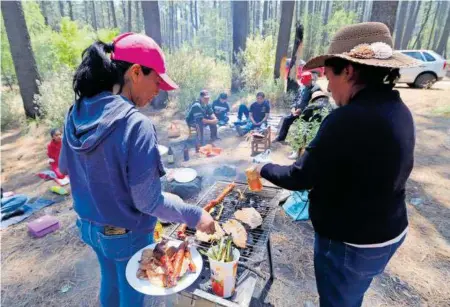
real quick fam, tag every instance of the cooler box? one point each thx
(42, 226)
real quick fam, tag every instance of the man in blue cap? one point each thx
(221, 108)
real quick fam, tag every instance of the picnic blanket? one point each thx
(29, 209)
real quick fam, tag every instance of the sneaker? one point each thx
(293, 155)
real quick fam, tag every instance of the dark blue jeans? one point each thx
(243, 110)
(344, 272)
(113, 253)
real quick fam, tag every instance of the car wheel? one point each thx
(425, 80)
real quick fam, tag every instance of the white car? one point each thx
(431, 70)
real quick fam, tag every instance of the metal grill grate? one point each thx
(265, 202)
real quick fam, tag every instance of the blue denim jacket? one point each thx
(110, 153)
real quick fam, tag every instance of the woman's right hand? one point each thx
(206, 223)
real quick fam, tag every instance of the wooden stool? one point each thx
(262, 144)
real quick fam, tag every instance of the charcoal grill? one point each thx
(258, 242)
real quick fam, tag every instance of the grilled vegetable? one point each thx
(222, 251)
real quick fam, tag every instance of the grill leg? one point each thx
(269, 252)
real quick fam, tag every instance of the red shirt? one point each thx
(53, 150)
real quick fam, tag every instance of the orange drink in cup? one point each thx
(253, 179)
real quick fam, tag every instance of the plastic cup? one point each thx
(223, 275)
(253, 179)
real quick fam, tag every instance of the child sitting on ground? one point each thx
(53, 150)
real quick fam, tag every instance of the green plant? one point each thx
(303, 132)
(56, 97)
(12, 114)
(194, 71)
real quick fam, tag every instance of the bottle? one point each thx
(186, 153)
(170, 156)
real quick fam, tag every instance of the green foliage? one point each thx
(56, 97)
(194, 71)
(258, 59)
(303, 132)
(12, 113)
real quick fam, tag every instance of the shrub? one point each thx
(12, 114)
(56, 97)
(303, 132)
(193, 71)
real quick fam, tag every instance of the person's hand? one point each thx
(206, 223)
(297, 112)
(293, 110)
(258, 168)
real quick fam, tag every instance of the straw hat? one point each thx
(318, 94)
(368, 43)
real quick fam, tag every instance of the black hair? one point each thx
(261, 94)
(53, 131)
(98, 73)
(366, 74)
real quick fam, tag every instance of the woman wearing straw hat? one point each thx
(110, 152)
(357, 165)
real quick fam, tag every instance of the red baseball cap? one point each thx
(143, 50)
(306, 77)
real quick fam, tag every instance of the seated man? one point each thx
(258, 114)
(200, 114)
(221, 108)
(301, 101)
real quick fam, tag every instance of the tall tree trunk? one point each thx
(363, 13)
(325, 22)
(265, 17)
(86, 12)
(138, 12)
(130, 25)
(61, 8)
(22, 54)
(310, 7)
(442, 46)
(275, 10)
(192, 9)
(124, 14)
(442, 14)
(175, 25)
(418, 42)
(401, 24)
(385, 12)
(412, 18)
(43, 6)
(101, 15)
(171, 26)
(196, 14)
(152, 20)
(112, 10)
(292, 84)
(94, 16)
(436, 13)
(287, 11)
(258, 17)
(70, 10)
(240, 32)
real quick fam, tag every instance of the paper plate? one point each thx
(184, 175)
(145, 287)
(162, 150)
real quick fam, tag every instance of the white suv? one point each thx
(431, 70)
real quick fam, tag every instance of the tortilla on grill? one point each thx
(237, 231)
(249, 216)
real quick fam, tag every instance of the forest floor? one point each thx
(59, 270)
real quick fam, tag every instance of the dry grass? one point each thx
(34, 271)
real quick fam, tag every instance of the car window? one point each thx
(428, 57)
(414, 54)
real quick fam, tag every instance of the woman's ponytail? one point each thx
(97, 73)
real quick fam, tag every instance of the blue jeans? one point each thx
(113, 253)
(344, 272)
(243, 110)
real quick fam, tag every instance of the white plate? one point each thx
(144, 286)
(184, 175)
(162, 150)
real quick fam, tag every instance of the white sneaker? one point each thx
(293, 155)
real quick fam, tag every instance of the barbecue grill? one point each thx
(258, 242)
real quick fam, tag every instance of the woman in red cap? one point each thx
(110, 152)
